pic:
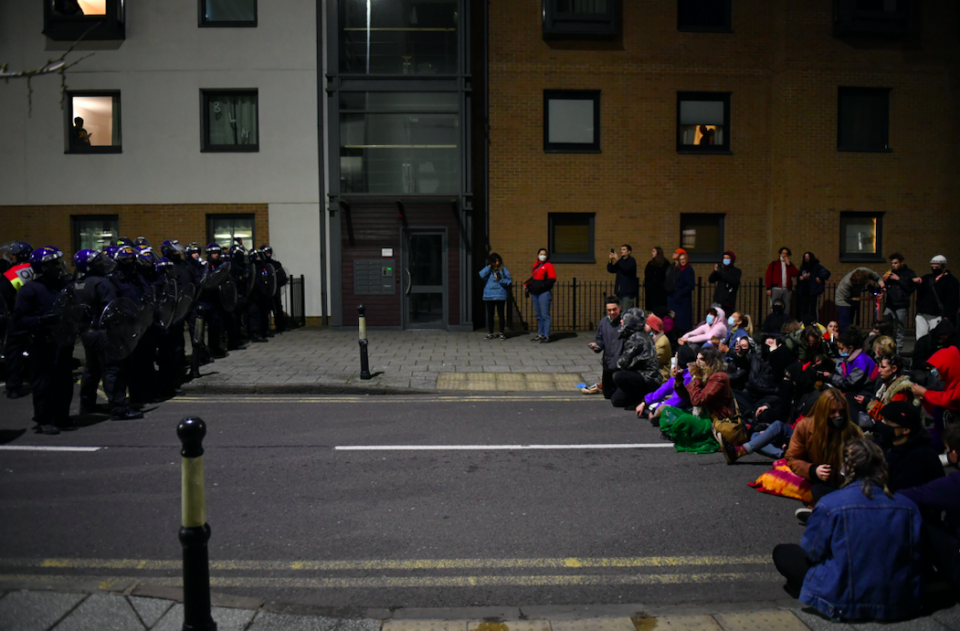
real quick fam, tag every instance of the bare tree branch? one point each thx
(58, 66)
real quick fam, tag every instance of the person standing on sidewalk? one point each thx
(779, 279)
(540, 287)
(811, 284)
(727, 277)
(654, 278)
(626, 286)
(938, 296)
(497, 280)
(899, 282)
(847, 296)
(680, 283)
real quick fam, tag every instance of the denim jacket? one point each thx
(865, 555)
(495, 289)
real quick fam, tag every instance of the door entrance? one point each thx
(425, 278)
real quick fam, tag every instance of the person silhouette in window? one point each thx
(706, 135)
(79, 137)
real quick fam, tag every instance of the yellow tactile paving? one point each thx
(508, 382)
(677, 623)
(761, 621)
(425, 625)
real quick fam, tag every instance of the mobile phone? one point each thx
(611, 251)
(673, 362)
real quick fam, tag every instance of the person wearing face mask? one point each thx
(775, 319)
(942, 336)
(811, 284)
(907, 446)
(638, 369)
(739, 325)
(715, 325)
(938, 296)
(727, 277)
(779, 279)
(945, 365)
(609, 343)
(496, 283)
(738, 363)
(939, 503)
(540, 286)
(855, 366)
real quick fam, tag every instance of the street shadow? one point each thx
(87, 420)
(566, 335)
(10, 435)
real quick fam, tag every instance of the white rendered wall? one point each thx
(295, 239)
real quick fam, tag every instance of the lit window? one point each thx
(230, 13)
(94, 231)
(93, 122)
(230, 120)
(571, 121)
(860, 237)
(703, 122)
(71, 20)
(228, 230)
(701, 235)
(570, 238)
(864, 119)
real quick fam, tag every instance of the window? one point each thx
(230, 120)
(93, 122)
(877, 18)
(94, 231)
(400, 142)
(864, 119)
(229, 13)
(580, 19)
(860, 237)
(704, 15)
(703, 122)
(571, 121)
(69, 20)
(417, 37)
(701, 235)
(571, 237)
(226, 229)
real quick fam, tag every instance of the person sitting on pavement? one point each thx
(939, 503)
(609, 343)
(907, 446)
(496, 284)
(856, 366)
(774, 439)
(664, 396)
(664, 351)
(805, 343)
(638, 370)
(775, 319)
(738, 361)
(942, 336)
(859, 558)
(892, 384)
(945, 366)
(715, 325)
(738, 325)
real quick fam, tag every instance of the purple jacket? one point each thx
(665, 394)
(855, 370)
(939, 495)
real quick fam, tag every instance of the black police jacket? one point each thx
(34, 301)
(96, 292)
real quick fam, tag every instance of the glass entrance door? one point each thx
(425, 271)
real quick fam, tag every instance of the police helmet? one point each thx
(163, 265)
(213, 248)
(110, 251)
(125, 255)
(93, 262)
(147, 258)
(266, 250)
(21, 250)
(123, 241)
(48, 262)
(192, 248)
(172, 249)
(142, 241)
(255, 255)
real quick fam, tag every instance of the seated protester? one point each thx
(654, 327)
(859, 558)
(609, 343)
(892, 384)
(879, 334)
(855, 366)
(830, 338)
(666, 395)
(911, 458)
(738, 363)
(942, 336)
(709, 390)
(805, 343)
(714, 326)
(946, 366)
(774, 439)
(815, 452)
(638, 369)
(761, 382)
(738, 326)
(774, 321)
(939, 503)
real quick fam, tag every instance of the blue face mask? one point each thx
(726, 261)
(843, 354)
(730, 321)
(709, 319)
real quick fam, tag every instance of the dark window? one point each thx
(69, 20)
(227, 229)
(93, 122)
(864, 119)
(229, 13)
(701, 235)
(860, 237)
(571, 121)
(400, 142)
(94, 231)
(580, 19)
(230, 120)
(876, 18)
(703, 15)
(571, 237)
(416, 37)
(703, 122)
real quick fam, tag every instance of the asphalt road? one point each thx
(295, 519)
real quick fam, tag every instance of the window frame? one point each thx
(71, 28)
(723, 149)
(557, 25)
(211, 217)
(589, 257)
(726, 28)
(205, 146)
(76, 220)
(862, 91)
(847, 257)
(705, 257)
(850, 22)
(69, 116)
(571, 147)
(202, 22)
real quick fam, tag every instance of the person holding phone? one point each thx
(497, 281)
(609, 343)
(627, 286)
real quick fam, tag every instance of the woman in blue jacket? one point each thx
(859, 558)
(495, 291)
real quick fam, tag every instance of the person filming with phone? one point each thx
(627, 286)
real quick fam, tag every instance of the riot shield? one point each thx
(74, 317)
(184, 301)
(121, 323)
(213, 278)
(148, 310)
(251, 278)
(267, 281)
(167, 301)
(228, 294)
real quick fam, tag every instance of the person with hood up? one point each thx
(811, 284)
(942, 336)
(775, 319)
(715, 327)
(680, 283)
(727, 277)
(938, 296)
(946, 367)
(907, 446)
(654, 277)
(609, 343)
(638, 370)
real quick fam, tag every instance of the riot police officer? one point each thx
(210, 306)
(17, 271)
(169, 339)
(241, 275)
(128, 284)
(261, 298)
(50, 363)
(188, 279)
(279, 318)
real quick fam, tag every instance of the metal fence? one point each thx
(294, 302)
(579, 305)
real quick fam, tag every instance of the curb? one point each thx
(299, 388)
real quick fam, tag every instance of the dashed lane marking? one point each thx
(496, 447)
(45, 448)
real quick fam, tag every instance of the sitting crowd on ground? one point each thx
(857, 430)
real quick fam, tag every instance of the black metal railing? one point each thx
(579, 305)
(294, 302)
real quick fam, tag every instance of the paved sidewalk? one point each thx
(326, 361)
(138, 608)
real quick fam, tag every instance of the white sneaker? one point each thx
(803, 514)
(594, 389)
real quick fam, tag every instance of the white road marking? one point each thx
(495, 447)
(45, 448)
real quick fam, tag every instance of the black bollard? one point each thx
(194, 530)
(364, 361)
